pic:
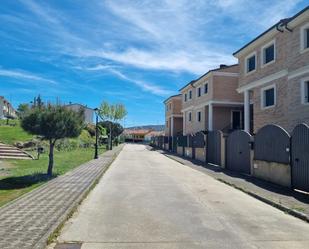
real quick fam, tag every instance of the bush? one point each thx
(85, 139)
(91, 129)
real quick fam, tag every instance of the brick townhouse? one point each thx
(173, 116)
(274, 75)
(211, 102)
(6, 109)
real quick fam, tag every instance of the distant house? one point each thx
(151, 134)
(135, 135)
(89, 113)
(6, 109)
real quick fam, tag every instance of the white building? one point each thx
(89, 113)
(6, 109)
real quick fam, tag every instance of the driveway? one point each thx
(146, 200)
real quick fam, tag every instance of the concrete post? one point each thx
(210, 117)
(247, 110)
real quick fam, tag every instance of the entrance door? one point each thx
(236, 120)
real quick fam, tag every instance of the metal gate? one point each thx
(238, 151)
(174, 144)
(213, 148)
(272, 144)
(191, 145)
(300, 157)
(170, 143)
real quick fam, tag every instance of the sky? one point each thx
(122, 51)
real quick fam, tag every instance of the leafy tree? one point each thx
(53, 123)
(116, 128)
(113, 114)
(23, 109)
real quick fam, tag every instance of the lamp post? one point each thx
(96, 156)
(110, 136)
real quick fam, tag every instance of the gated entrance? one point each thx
(191, 145)
(238, 151)
(272, 144)
(213, 148)
(174, 144)
(300, 157)
(170, 143)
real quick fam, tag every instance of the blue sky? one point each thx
(134, 52)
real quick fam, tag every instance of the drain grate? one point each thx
(68, 246)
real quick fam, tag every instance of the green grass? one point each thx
(22, 176)
(11, 134)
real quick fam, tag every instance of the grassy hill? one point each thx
(9, 134)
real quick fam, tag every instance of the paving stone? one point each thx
(27, 222)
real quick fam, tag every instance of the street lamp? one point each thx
(96, 156)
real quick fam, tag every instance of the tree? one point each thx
(22, 110)
(116, 128)
(53, 123)
(112, 113)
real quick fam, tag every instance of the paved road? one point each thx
(146, 200)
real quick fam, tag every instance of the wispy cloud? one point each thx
(173, 36)
(145, 86)
(19, 74)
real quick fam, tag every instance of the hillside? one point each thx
(12, 133)
(150, 127)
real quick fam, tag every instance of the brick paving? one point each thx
(27, 222)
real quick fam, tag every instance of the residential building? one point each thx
(173, 116)
(211, 102)
(6, 109)
(135, 135)
(89, 112)
(152, 134)
(274, 75)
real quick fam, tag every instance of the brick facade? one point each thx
(286, 73)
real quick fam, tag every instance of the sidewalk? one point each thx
(27, 222)
(289, 201)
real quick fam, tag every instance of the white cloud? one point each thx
(173, 36)
(145, 86)
(18, 74)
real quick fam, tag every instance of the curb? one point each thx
(281, 207)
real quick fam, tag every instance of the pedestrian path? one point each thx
(28, 222)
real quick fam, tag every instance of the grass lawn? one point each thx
(21, 176)
(12, 134)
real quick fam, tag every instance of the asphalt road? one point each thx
(146, 200)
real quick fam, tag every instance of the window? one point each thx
(190, 94)
(166, 107)
(190, 116)
(199, 92)
(268, 53)
(304, 38)
(167, 124)
(186, 96)
(206, 88)
(251, 63)
(199, 116)
(170, 106)
(268, 96)
(305, 91)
